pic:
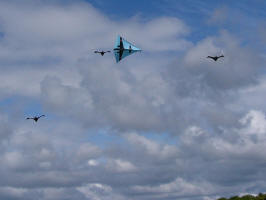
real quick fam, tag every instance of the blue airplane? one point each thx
(123, 48)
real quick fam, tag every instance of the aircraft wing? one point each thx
(118, 55)
(117, 43)
(125, 53)
(128, 46)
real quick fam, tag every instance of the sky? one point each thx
(163, 124)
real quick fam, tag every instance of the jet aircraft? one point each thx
(102, 52)
(215, 58)
(123, 48)
(36, 118)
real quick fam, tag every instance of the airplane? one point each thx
(35, 118)
(215, 58)
(102, 52)
(123, 48)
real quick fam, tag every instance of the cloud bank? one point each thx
(180, 126)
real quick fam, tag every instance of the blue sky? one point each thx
(166, 123)
(242, 15)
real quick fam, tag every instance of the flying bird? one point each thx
(215, 58)
(102, 52)
(36, 118)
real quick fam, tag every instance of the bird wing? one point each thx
(96, 52)
(41, 116)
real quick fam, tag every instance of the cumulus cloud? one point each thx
(239, 67)
(209, 116)
(143, 168)
(12, 193)
(116, 97)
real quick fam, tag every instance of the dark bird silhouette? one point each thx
(102, 52)
(215, 58)
(36, 118)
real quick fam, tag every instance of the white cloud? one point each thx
(97, 191)
(88, 151)
(212, 112)
(176, 189)
(118, 165)
(256, 123)
(14, 160)
(12, 192)
(150, 147)
(92, 162)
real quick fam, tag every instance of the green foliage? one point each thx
(246, 197)
(235, 198)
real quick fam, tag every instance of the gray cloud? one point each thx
(212, 114)
(143, 168)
